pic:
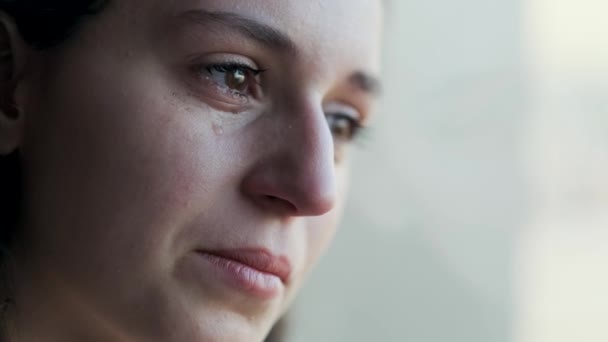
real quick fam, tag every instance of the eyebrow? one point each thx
(272, 39)
(366, 82)
(261, 33)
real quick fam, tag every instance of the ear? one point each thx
(13, 53)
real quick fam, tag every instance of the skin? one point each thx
(135, 156)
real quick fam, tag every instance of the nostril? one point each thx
(278, 202)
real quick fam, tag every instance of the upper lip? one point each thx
(259, 259)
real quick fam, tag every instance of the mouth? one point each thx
(255, 271)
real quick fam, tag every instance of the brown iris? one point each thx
(237, 80)
(342, 126)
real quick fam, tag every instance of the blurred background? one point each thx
(479, 207)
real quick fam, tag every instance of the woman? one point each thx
(178, 166)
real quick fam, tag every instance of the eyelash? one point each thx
(251, 76)
(231, 67)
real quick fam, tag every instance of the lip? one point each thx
(255, 271)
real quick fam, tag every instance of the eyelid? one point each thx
(225, 59)
(225, 67)
(347, 112)
(340, 107)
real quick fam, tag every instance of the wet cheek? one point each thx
(122, 157)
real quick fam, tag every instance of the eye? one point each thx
(241, 80)
(344, 127)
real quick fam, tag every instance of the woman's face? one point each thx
(186, 161)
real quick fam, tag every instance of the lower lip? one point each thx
(243, 277)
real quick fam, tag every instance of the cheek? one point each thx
(125, 163)
(116, 176)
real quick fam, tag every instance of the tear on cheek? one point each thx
(217, 128)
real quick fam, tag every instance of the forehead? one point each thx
(345, 30)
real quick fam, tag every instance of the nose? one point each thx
(294, 174)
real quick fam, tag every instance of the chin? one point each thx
(214, 323)
(233, 329)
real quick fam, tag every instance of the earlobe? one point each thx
(13, 51)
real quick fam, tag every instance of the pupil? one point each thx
(236, 79)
